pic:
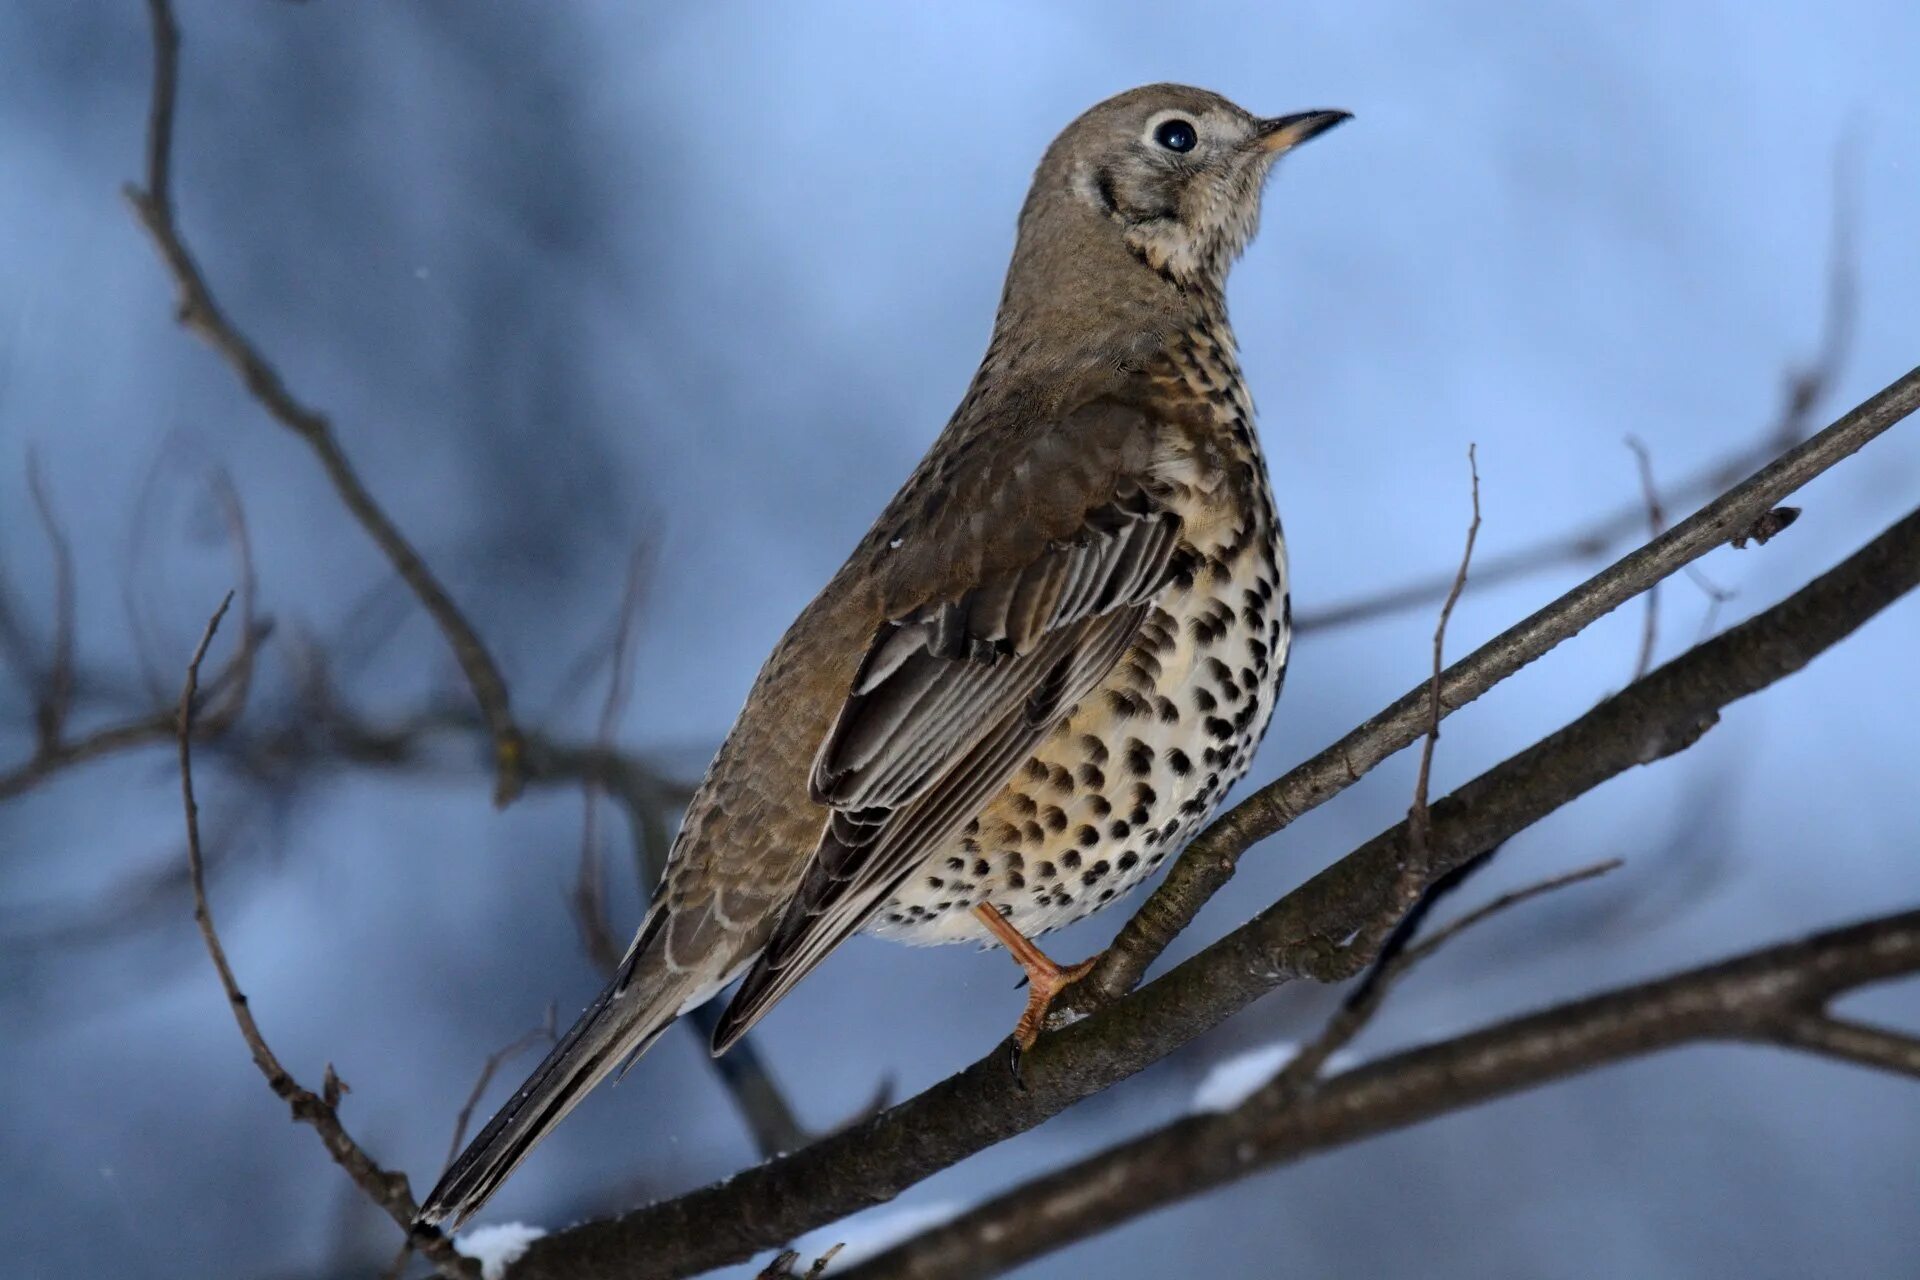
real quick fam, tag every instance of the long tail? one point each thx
(623, 1021)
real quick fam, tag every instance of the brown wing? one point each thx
(951, 699)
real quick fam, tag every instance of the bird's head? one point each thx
(1175, 172)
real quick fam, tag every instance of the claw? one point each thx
(1046, 980)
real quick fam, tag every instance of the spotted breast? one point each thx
(1141, 763)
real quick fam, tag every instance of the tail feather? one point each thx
(621, 1024)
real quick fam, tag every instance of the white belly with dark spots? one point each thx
(1129, 777)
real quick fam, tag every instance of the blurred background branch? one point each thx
(317, 730)
(200, 314)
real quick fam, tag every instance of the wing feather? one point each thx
(953, 697)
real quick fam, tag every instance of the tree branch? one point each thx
(1755, 998)
(1209, 861)
(320, 1110)
(1299, 936)
(199, 312)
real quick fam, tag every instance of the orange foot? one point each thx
(1045, 979)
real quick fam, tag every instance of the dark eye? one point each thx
(1176, 135)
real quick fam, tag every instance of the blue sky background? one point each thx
(570, 277)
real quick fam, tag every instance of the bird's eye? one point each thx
(1176, 135)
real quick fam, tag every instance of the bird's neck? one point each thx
(1081, 299)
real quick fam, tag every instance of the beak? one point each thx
(1283, 133)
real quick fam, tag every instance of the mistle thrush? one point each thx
(1038, 674)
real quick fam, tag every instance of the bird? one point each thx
(1039, 672)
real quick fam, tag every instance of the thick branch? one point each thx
(1655, 717)
(201, 314)
(1747, 999)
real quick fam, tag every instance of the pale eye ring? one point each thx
(1176, 134)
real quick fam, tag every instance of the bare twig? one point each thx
(589, 894)
(1416, 888)
(55, 751)
(144, 730)
(388, 1190)
(499, 1057)
(237, 675)
(199, 312)
(56, 691)
(1758, 997)
(16, 650)
(495, 1060)
(1504, 902)
(769, 1117)
(151, 728)
(1419, 821)
(1656, 525)
(1351, 1018)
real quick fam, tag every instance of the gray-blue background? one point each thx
(569, 276)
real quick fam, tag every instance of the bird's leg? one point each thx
(1045, 979)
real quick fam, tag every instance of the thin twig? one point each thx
(200, 313)
(147, 729)
(153, 727)
(1656, 525)
(54, 751)
(1419, 821)
(1303, 1070)
(56, 691)
(589, 893)
(547, 1031)
(1415, 888)
(237, 675)
(388, 1190)
(495, 1060)
(1504, 902)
